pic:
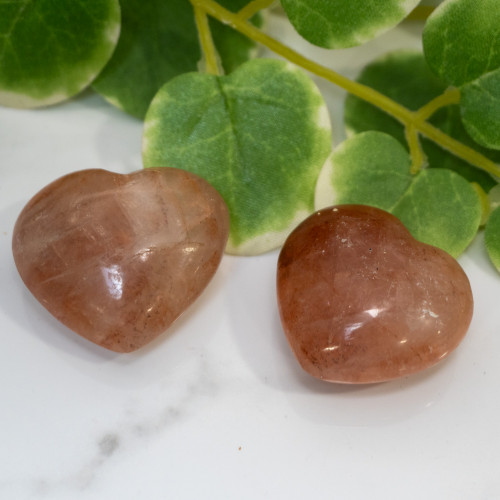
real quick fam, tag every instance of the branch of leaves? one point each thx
(260, 134)
(445, 203)
(438, 205)
(264, 153)
(473, 67)
(462, 47)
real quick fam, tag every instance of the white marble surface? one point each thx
(218, 408)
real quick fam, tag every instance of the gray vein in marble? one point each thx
(114, 444)
(109, 444)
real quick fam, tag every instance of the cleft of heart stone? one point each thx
(117, 258)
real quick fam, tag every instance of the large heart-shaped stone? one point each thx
(362, 301)
(117, 258)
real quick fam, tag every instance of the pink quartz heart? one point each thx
(362, 301)
(117, 258)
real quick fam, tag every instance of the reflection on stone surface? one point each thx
(117, 258)
(361, 301)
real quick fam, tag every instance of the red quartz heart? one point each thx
(362, 301)
(117, 258)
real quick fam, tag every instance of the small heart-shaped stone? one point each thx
(117, 258)
(362, 301)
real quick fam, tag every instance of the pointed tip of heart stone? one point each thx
(117, 258)
(362, 301)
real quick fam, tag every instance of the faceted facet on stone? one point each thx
(117, 258)
(362, 301)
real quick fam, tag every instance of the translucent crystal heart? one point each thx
(117, 258)
(362, 301)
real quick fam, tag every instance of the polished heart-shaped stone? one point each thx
(362, 301)
(117, 258)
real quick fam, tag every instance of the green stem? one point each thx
(459, 149)
(418, 158)
(450, 96)
(253, 7)
(367, 93)
(206, 41)
(402, 114)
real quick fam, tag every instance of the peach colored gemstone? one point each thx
(362, 301)
(117, 258)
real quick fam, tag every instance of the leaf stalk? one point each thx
(448, 97)
(418, 158)
(206, 41)
(253, 7)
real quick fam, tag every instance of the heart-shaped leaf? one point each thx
(50, 51)
(461, 39)
(337, 24)
(259, 135)
(117, 258)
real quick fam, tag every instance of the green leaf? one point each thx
(492, 237)
(371, 168)
(480, 107)
(449, 121)
(405, 77)
(442, 209)
(50, 51)
(438, 206)
(345, 23)
(259, 135)
(159, 41)
(461, 39)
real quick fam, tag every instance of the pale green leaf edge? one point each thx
(492, 237)
(380, 175)
(326, 28)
